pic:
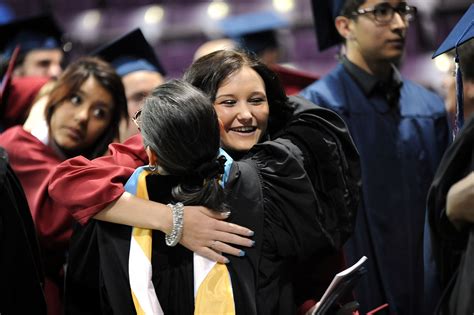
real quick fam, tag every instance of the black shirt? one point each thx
(372, 85)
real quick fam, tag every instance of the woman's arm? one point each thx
(201, 226)
(460, 201)
(94, 189)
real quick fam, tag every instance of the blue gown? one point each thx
(399, 152)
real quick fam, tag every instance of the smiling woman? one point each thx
(82, 115)
(242, 106)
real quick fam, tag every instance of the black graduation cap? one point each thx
(254, 31)
(324, 14)
(38, 32)
(130, 53)
(462, 32)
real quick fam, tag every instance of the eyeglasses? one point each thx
(384, 12)
(136, 118)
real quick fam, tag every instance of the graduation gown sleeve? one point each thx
(20, 264)
(92, 184)
(34, 162)
(448, 242)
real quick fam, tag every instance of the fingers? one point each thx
(226, 226)
(229, 238)
(227, 249)
(216, 250)
(212, 255)
(215, 214)
(212, 238)
(233, 228)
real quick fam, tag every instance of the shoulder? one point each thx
(12, 138)
(317, 143)
(328, 91)
(312, 124)
(305, 110)
(418, 100)
(321, 85)
(15, 133)
(134, 181)
(131, 153)
(273, 159)
(455, 163)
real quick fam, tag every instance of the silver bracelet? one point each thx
(177, 231)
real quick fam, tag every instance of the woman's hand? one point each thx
(460, 201)
(206, 233)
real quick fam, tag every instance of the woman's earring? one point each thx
(152, 168)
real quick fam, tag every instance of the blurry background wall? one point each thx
(177, 27)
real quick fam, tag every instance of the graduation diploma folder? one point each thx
(341, 284)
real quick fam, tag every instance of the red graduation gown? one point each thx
(17, 101)
(113, 170)
(293, 80)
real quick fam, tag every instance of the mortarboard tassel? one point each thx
(459, 85)
(459, 98)
(5, 82)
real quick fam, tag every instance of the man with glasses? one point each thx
(401, 132)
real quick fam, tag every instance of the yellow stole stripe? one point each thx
(143, 236)
(138, 308)
(214, 295)
(145, 297)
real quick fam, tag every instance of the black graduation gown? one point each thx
(451, 246)
(21, 269)
(298, 192)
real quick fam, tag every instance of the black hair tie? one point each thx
(212, 169)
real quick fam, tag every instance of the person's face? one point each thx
(376, 41)
(138, 85)
(449, 86)
(242, 108)
(78, 122)
(468, 88)
(41, 62)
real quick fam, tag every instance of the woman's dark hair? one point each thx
(210, 71)
(70, 82)
(179, 123)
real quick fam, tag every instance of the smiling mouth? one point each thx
(244, 129)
